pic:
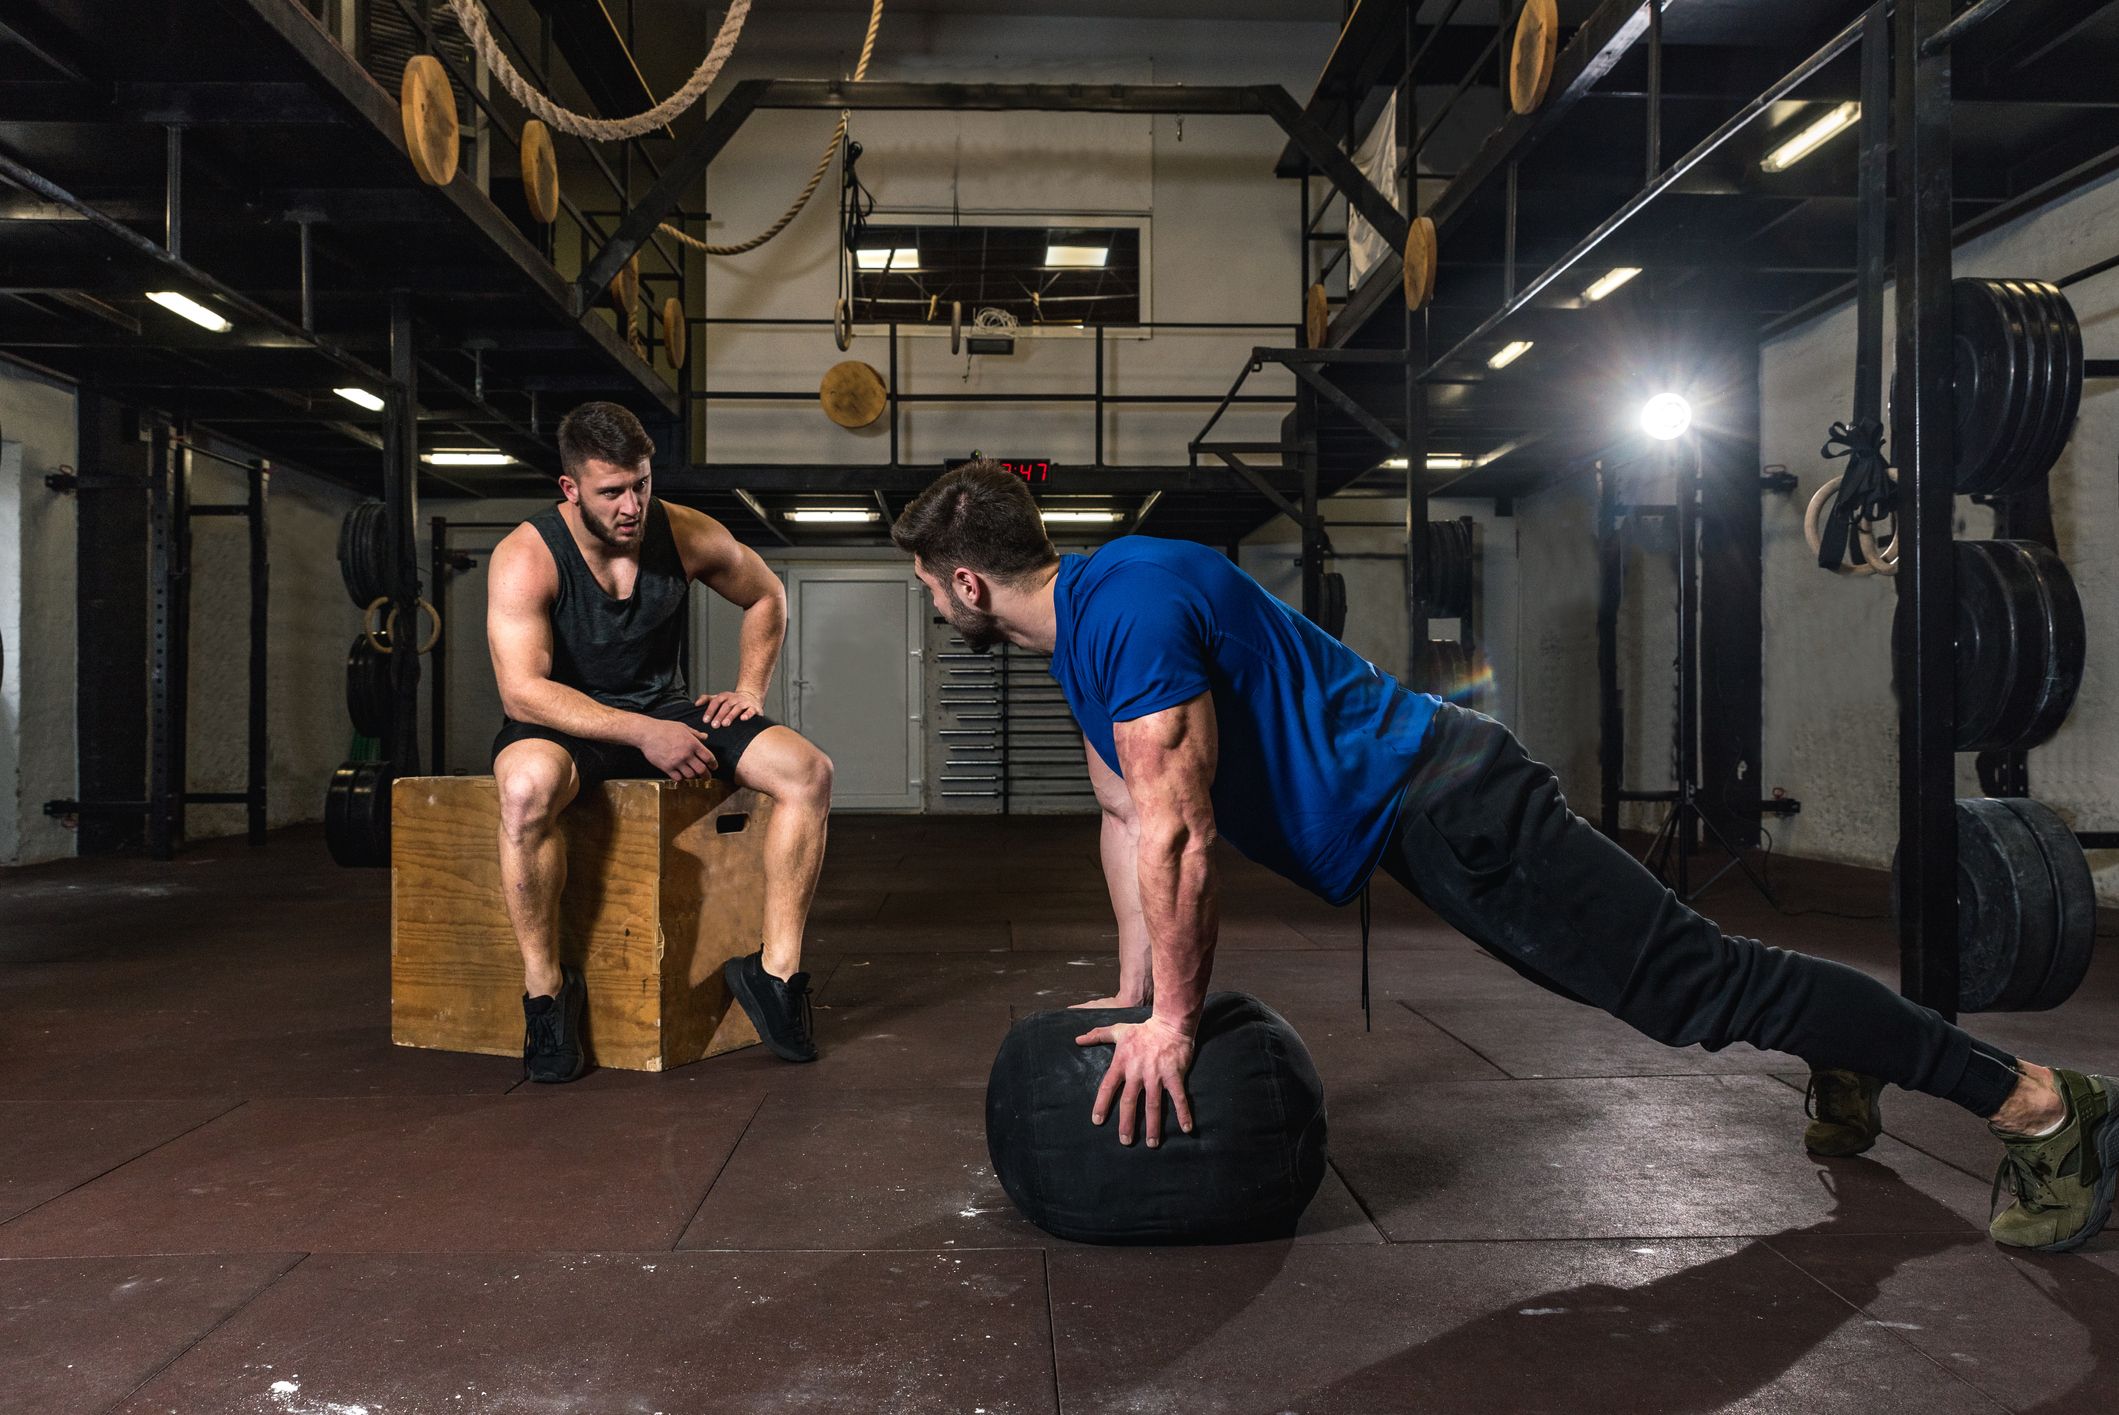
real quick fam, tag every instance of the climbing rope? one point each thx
(472, 16)
(816, 178)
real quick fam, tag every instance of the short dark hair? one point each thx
(980, 516)
(604, 431)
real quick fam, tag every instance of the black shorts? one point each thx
(614, 761)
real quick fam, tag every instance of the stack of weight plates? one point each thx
(1444, 581)
(2020, 644)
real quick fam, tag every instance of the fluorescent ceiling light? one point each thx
(362, 397)
(1092, 257)
(1610, 280)
(191, 309)
(893, 258)
(1811, 138)
(1104, 518)
(1509, 354)
(831, 515)
(1436, 462)
(467, 457)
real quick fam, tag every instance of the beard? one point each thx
(980, 631)
(607, 531)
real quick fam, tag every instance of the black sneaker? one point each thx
(551, 1031)
(780, 1011)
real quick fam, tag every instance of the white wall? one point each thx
(36, 617)
(1221, 243)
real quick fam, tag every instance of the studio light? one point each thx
(1436, 462)
(1078, 257)
(190, 309)
(1509, 354)
(834, 516)
(360, 397)
(467, 457)
(1609, 281)
(1104, 518)
(1811, 138)
(1665, 416)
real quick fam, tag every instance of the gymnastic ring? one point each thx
(1816, 536)
(842, 325)
(433, 628)
(376, 634)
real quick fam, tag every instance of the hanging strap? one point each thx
(1865, 490)
(1365, 1020)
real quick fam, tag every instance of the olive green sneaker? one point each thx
(1844, 1110)
(2062, 1182)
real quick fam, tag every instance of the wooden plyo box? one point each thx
(665, 883)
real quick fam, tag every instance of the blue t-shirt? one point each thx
(1315, 745)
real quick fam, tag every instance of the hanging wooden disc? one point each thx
(540, 172)
(1419, 262)
(673, 331)
(625, 286)
(427, 107)
(1317, 316)
(853, 394)
(1531, 58)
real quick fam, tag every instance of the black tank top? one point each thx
(621, 652)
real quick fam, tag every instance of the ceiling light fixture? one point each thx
(1510, 353)
(1609, 281)
(1811, 138)
(1436, 462)
(1103, 518)
(1666, 416)
(467, 457)
(834, 516)
(190, 309)
(896, 259)
(1078, 257)
(360, 397)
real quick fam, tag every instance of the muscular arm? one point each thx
(1120, 846)
(734, 571)
(1169, 758)
(520, 589)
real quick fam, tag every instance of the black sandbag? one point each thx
(1246, 1173)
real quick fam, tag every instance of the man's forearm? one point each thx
(548, 704)
(1119, 849)
(764, 631)
(1178, 901)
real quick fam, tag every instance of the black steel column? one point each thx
(170, 535)
(1416, 512)
(1611, 715)
(1731, 621)
(1927, 921)
(401, 497)
(111, 621)
(1684, 460)
(260, 584)
(438, 689)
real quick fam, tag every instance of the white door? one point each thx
(854, 680)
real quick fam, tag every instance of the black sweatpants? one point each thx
(1486, 840)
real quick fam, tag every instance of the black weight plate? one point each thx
(1987, 344)
(1466, 569)
(2036, 458)
(2036, 399)
(2075, 905)
(357, 814)
(2024, 688)
(1985, 645)
(2059, 671)
(1995, 857)
(2065, 340)
(1988, 981)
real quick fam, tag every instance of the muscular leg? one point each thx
(536, 780)
(788, 767)
(1486, 838)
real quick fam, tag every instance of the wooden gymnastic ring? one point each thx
(853, 394)
(842, 325)
(1419, 263)
(1317, 316)
(540, 172)
(426, 107)
(674, 331)
(389, 629)
(956, 326)
(1531, 56)
(377, 634)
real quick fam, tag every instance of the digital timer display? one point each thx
(1035, 470)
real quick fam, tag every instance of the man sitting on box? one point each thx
(586, 613)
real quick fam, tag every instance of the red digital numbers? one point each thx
(1036, 473)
